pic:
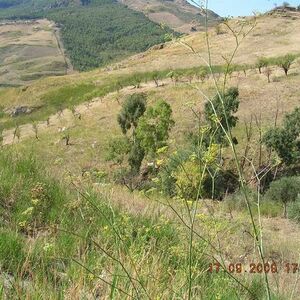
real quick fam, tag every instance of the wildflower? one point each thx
(35, 201)
(193, 157)
(155, 180)
(189, 202)
(162, 150)
(48, 247)
(22, 224)
(159, 162)
(28, 211)
(200, 216)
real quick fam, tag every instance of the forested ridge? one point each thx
(94, 32)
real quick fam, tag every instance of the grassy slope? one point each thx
(276, 33)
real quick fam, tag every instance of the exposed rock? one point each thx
(158, 47)
(19, 110)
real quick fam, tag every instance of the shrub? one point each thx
(167, 182)
(284, 190)
(118, 148)
(189, 181)
(294, 210)
(236, 200)
(219, 29)
(284, 140)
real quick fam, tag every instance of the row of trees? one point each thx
(285, 62)
(201, 74)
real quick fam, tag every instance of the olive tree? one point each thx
(154, 127)
(132, 110)
(285, 62)
(219, 114)
(261, 63)
(285, 191)
(285, 140)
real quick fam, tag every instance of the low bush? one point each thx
(294, 210)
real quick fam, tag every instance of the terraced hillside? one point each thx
(30, 50)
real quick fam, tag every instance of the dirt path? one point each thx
(60, 45)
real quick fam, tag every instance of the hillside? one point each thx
(79, 222)
(176, 14)
(30, 50)
(91, 31)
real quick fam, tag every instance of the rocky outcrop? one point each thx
(20, 110)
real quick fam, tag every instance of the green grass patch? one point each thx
(54, 237)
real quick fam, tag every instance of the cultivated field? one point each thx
(29, 50)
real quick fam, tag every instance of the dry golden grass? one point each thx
(271, 37)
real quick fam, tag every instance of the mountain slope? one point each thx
(271, 37)
(177, 14)
(92, 32)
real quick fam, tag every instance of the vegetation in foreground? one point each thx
(64, 242)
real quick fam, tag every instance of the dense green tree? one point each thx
(285, 140)
(154, 127)
(132, 109)
(94, 32)
(219, 114)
